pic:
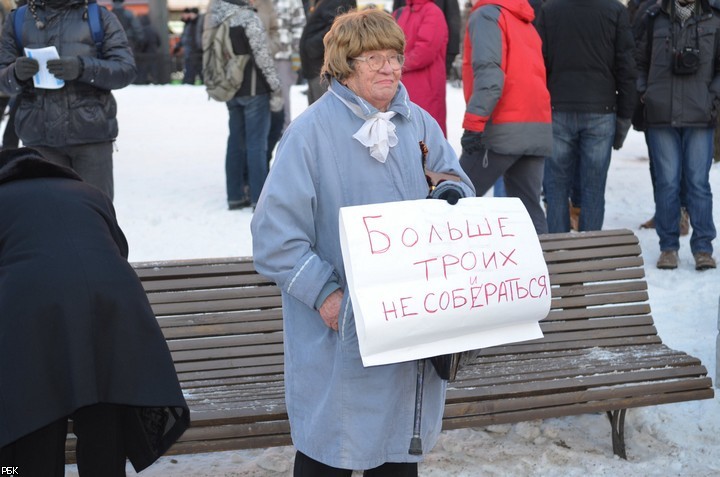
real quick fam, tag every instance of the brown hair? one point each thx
(356, 32)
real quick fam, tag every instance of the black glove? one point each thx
(471, 142)
(622, 126)
(25, 68)
(449, 191)
(66, 68)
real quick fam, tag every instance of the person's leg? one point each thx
(235, 160)
(307, 467)
(524, 180)
(100, 449)
(94, 163)
(277, 122)
(665, 146)
(257, 126)
(649, 224)
(10, 137)
(499, 188)
(596, 139)
(288, 78)
(188, 71)
(316, 88)
(393, 469)
(41, 452)
(482, 171)
(696, 163)
(56, 156)
(559, 171)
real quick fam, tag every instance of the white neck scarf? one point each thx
(378, 132)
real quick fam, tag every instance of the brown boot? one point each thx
(668, 260)
(704, 261)
(650, 224)
(574, 217)
(684, 222)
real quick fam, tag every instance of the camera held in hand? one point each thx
(686, 61)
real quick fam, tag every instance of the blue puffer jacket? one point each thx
(83, 111)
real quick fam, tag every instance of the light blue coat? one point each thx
(342, 414)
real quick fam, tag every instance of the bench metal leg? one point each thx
(617, 422)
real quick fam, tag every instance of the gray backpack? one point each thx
(222, 68)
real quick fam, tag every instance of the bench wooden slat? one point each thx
(210, 357)
(606, 311)
(270, 368)
(213, 294)
(218, 335)
(703, 391)
(219, 317)
(217, 305)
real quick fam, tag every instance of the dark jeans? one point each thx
(581, 142)
(192, 68)
(307, 467)
(100, 447)
(249, 124)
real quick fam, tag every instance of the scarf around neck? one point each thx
(378, 131)
(684, 10)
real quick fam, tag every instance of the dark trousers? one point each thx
(100, 450)
(92, 162)
(307, 467)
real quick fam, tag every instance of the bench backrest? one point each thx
(223, 320)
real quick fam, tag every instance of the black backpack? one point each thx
(94, 19)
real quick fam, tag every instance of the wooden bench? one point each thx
(600, 353)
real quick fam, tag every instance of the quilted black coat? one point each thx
(84, 110)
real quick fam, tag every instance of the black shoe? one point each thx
(238, 204)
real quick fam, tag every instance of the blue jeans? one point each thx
(249, 126)
(581, 141)
(682, 154)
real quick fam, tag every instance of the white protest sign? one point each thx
(428, 278)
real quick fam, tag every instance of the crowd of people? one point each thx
(551, 88)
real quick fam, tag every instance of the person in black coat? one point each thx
(78, 336)
(320, 16)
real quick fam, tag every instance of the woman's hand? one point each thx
(330, 309)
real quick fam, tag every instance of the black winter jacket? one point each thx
(319, 20)
(680, 100)
(588, 48)
(83, 111)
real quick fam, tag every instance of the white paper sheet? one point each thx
(427, 278)
(43, 78)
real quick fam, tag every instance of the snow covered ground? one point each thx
(170, 200)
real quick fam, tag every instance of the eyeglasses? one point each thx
(377, 61)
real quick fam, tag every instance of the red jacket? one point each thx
(426, 35)
(504, 79)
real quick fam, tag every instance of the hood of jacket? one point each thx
(27, 163)
(520, 8)
(221, 9)
(417, 3)
(706, 6)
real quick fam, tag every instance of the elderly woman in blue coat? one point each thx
(357, 145)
